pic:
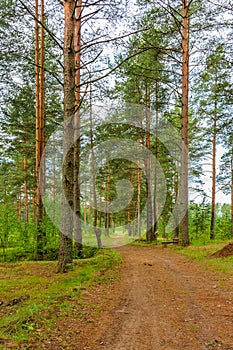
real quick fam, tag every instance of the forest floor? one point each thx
(161, 300)
(165, 300)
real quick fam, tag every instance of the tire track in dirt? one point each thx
(167, 302)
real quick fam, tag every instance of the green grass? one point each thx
(202, 254)
(141, 242)
(51, 295)
(205, 240)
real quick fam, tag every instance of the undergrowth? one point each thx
(203, 253)
(43, 296)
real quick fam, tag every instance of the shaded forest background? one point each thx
(126, 52)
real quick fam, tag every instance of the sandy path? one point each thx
(165, 301)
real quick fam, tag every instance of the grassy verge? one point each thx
(202, 253)
(33, 296)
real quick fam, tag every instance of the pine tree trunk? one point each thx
(155, 227)
(39, 64)
(96, 228)
(77, 205)
(175, 212)
(107, 198)
(25, 165)
(19, 206)
(149, 229)
(164, 234)
(232, 194)
(184, 128)
(139, 201)
(212, 222)
(129, 224)
(139, 175)
(65, 248)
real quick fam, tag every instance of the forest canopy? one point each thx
(114, 118)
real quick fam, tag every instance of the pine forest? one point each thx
(116, 131)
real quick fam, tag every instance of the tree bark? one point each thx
(19, 206)
(107, 198)
(184, 127)
(213, 200)
(65, 248)
(155, 227)
(175, 214)
(149, 229)
(40, 139)
(139, 200)
(25, 185)
(77, 207)
(97, 229)
(232, 194)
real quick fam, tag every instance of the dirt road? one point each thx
(165, 301)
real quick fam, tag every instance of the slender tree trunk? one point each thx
(65, 249)
(100, 211)
(77, 206)
(164, 234)
(25, 165)
(39, 70)
(184, 127)
(42, 83)
(85, 213)
(232, 194)
(139, 175)
(129, 223)
(107, 214)
(155, 228)
(139, 201)
(19, 206)
(175, 212)
(212, 222)
(149, 229)
(96, 228)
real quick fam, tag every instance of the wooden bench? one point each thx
(174, 241)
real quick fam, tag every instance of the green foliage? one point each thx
(199, 221)
(50, 294)
(87, 252)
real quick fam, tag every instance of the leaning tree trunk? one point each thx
(184, 128)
